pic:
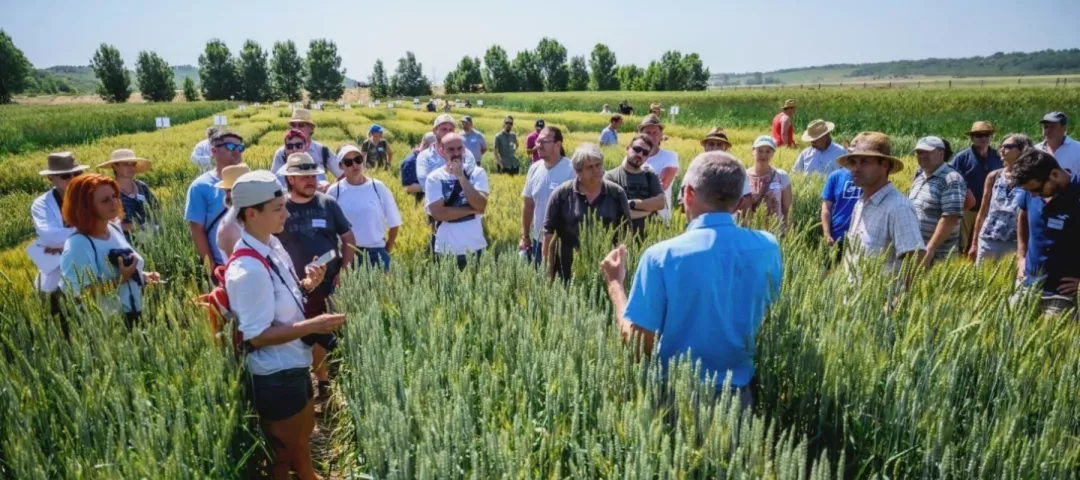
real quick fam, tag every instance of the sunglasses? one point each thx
(232, 147)
(1009, 146)
(305, 166)
(294, 146)
(510, 124)
(980, 135)
(640, 151)
(68, 176)
(348, 162)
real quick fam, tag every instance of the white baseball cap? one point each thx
(929, 144)
(445, 118)
(765, 141)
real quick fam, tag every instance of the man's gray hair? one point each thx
(585, 152)
(717, 179)
(428, 140)
(211, 131)
(1022, 141)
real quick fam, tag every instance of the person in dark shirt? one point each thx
(376, 150)
(642, 186)
(409, 180)
(572, 201)
(974, 163)
(625, 108)
(1048, 229)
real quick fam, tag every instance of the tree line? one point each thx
(547, 69)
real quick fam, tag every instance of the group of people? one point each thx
(290, 231)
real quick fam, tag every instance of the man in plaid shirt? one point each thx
(937, 193)
(883, 220)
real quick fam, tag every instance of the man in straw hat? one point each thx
(1057, 142)
(229, 232)
(323, 156)
(974, 164)
(135, 196)
(820, 157)
(204, 206)
(49, 223)
(200, 155)
(783, 125)
(883, 220)
(717, 141)
(664, 162)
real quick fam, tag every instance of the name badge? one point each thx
(318, 223)
(1055, 224)
(141, 198)
(553, 186)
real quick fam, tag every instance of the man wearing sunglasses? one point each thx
(49, 223)
(974, 163)
(298, 141)
(506, 143)
(302, 124)
(205, 203)
(642, 186)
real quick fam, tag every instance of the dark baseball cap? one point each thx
(540, 123)
(1055, 117)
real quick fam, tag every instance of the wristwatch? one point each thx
(633, 204)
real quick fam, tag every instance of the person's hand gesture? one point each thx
(326, 323)
(315, 274)
(127, 270)
(152, 278)
(614, 265)
(457, 168)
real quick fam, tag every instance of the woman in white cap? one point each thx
(769, 186)
(229, 231)
(369, 206)
(278, 360)
(135, 195)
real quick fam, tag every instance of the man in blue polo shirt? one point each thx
(1048, 229)
(706, 290)
(838, 200)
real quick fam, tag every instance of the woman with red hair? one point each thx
(97, 258)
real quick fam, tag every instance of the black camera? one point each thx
(128, 255)
(326, 340)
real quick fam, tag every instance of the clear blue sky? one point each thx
(730, 36)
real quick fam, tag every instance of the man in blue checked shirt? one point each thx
(706, 290)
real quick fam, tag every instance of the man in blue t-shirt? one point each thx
(205, 204)
(1048, 229)
(838, 200)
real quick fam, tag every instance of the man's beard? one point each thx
(306, 192)
(636, 164)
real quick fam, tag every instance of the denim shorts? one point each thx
(280, 395)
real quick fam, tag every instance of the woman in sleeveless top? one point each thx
(996, 221)
(769, 187)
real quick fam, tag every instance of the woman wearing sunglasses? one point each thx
(369, 206)
(995, 225)
(135, 195)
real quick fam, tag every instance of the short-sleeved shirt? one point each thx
(540, 182)
(938, 195)
(609, 136)
(506, 145)
(80, 267)
(974, 169)
(885, 224)
(408, 170)
(312, 229)
(323, 156)
(1053, 237)
(205, 205)
(475, 143)
(530, 142)
(138, 207)
(768, 191)
(642, 185)
(662, 160)
(840, 190)
(1067, 155)
(819, 162)
(465, 235)
(568, 210)
(707, 291)
(375, 154)
(370, 209)
(429, 160)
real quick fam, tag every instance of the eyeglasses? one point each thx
(232, 147)
(544, 142)
(1009, 146)
(508, 124)
(981, 135)
(304, 167)
(641, 151)
(294, 146)
(68, 176)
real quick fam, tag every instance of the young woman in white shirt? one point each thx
(278, 359)
(370, 207)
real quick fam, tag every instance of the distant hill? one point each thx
(82, 79)
(1046, 62)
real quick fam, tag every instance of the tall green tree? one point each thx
(155, 78)
(218, 73)
(114, 81)
(380, 85)
(15, 69)
(695, 73)
(602, 66)
(287, 71)
(254, 73)
(630, 77)
(653, 79)
(326, 78)
(408, 78)
(498, 74)
(673, 74)
(191, 93)
(466, 78)
(527, 71)
(579, 75)
(551, 56)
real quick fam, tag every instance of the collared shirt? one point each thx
(1053, 236)
(609, 136)
(569, 207)
(49, 225)
(201, 155)
(248, 282)
(819, 162)
(475, 143)
(938, 195)
(1067, 155)
(429, 161)
(506, 146)
(975, 169)
(323, 156)
(707, 291)
(841, 192)
(886, 224)
(205, 206)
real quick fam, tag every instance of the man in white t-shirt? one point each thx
(544, 176)
(664, 162)
(456, 198)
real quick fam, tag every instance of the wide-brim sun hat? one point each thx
(789, 104)
(302, 115)
(124, 155)
(817, 129)
(62, 162)
(230, 174)
(981, 127)
(871, 144)
(649, 121)
(716, 134)
(300, 165)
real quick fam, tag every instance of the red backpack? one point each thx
(217, 304)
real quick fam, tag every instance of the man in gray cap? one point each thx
(1057, 142)
(474, 140)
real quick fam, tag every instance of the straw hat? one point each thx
(789, 104)
(871, 144)
(650, 120)
(300, 164)
(716, 134)
(982, 126)
(122, 155)
(61, 163)
(230, 174)
(817, 129)
(302, 116)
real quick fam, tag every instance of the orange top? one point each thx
(777, 123)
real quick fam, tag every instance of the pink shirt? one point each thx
(530, 142)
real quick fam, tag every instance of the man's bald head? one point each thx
(452, 146)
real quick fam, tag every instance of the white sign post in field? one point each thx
(162, 123)
(220, 120)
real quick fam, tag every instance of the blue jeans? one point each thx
(374, 257)
(536, 252)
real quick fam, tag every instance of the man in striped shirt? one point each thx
(938, 194)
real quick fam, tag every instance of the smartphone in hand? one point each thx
(324, 259)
